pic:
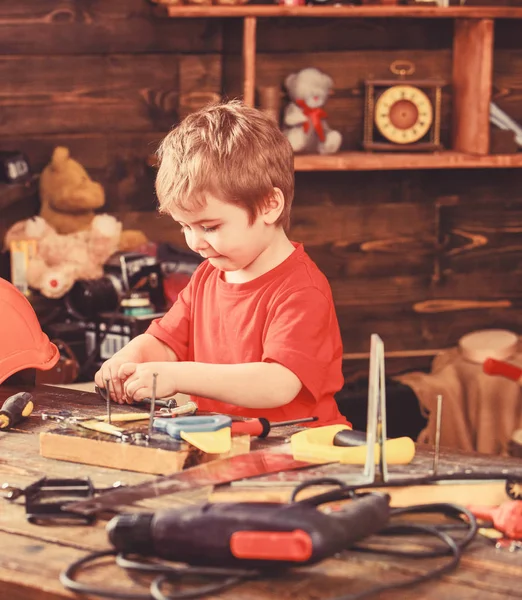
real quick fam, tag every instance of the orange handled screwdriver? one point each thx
(261, 426)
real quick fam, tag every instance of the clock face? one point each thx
(403, 114)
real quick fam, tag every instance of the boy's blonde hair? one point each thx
(230, 150)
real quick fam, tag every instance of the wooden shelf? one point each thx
(17, 192)
(414, 12)
(398, 161)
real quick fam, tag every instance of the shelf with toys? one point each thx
(471, 84)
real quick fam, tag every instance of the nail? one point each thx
(152, 403)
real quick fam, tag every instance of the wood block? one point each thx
(160, 456)
(490, 493)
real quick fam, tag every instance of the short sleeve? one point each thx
(303, 335)
(173, 328)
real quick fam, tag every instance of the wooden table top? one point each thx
(32, 556)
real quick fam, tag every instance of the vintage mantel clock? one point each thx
(402, 114)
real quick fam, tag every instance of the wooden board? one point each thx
(159, 456)
(485, 493)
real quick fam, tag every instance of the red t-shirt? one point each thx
(286, 316)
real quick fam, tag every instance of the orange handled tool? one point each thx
(492, 366)
(506, 518)
(261, 426)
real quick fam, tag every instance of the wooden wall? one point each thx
(106, 77)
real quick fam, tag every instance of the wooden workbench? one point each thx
(32, 556)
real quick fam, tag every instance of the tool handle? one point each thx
(399, 451)
(493, 366)
(350, 437)
(15, 408)
(259, 427)
(484, 513)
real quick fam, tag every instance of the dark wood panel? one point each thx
(402, 329)
(117, 161)
(64, 94)
(100, 27)
(507, 82)
(364, 188)
(299, 35)
(507, 34)
(483, 237)
(345, 107)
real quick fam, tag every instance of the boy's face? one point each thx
(221, 232)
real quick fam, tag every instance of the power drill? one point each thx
(249, 534)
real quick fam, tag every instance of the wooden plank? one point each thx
(100, 27)
(507, 80)
(281, 35)
(11, 193)
(249, 60)
(65, 94)
(159, 457)
(402, 329)
(410, 12)
(367, 161)
(490, 493)
(117, 161)
(30, 568)
(472, 77)
(199, 82)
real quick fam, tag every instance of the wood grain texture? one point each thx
(249, 60)
(32, 556)
(346, 11)
(472, 77)
(89, 93)
(99, 27)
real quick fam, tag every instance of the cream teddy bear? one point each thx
(304, 118)
(62, 259)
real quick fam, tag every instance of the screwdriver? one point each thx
(261, 426)
(15, 408)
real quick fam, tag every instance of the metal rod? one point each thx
(293, 422)
(437, 435)
(152, 403)
(108, 396)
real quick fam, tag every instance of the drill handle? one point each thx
(363, 517)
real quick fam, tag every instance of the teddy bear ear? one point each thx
(290, 82)
(60, 156)
(328, 81)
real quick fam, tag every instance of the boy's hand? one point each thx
(110, 370)
(138, 380)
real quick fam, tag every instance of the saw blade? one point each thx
(226, 470)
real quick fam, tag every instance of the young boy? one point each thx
(255, 332)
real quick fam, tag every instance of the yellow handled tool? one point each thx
(15, 408)
(338, 443)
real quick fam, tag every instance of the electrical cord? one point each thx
(165, 574)
(170, 574)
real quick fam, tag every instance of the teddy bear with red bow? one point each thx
(305, 118)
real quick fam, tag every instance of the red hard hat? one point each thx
(23, 344)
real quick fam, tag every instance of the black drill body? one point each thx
(202, 535)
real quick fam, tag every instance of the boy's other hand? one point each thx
(110, 371)
(139, 379)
